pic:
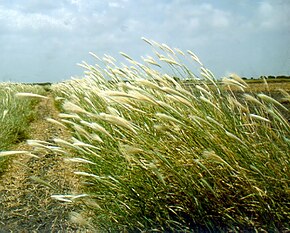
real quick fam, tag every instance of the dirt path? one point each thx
(25, 204)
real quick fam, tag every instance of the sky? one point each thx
(43, 40)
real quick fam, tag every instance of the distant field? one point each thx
(262, 85)
(270, 85)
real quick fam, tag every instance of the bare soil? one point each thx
(25, 204)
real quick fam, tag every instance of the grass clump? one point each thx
(15, 115)
(161, 156)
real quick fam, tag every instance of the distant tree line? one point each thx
(282, 77)
(269, 77)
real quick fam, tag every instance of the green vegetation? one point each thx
(157, 156)
(15, 115)
(270, 79)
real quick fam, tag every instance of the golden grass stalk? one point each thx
(239, 79)
(233, 82)
(9, 153)
(95, 56)
(56, 122)
(131, 150)
(213, 156)
(116, 120)
(147, 83)
(167, 48)
(79, 160)
(87, 174)
(206, 100)
(179, 51)
(71, 107)
(156, 171)
(4, 114)
(69, 116)
(41, 181)
(68, 198)
(97, 127)
(126, 56)
(39, 144)
(151, 61)
(260, 118)
(83, 144)
(252, 99)
(212, 120)
(33, 95)
(271, 100)
(194, 57)
(143, 96)
(236, 104)
(147, 41)
(166, 117)
(231, 135)
(204, 91)
(180, 99)
(169, 61)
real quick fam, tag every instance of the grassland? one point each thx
(15, 115)
(159, 155)
(34, 174)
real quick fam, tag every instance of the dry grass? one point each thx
(15, 114)
(28, 183)
(156, 155)
(205, 157)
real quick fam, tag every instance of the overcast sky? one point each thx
(43, 40)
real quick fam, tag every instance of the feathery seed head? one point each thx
(8, 153)
(55, 122)
(71, 107)
(79, 160)
(254, 116)
(116, 120)
(24, 94)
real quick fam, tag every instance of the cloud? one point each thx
(274, 16)
(116, 5)
(196, 18)
(56, 35)
(220, 19)
(15, 20)
(266, 9)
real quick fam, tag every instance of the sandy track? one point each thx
(25, 204)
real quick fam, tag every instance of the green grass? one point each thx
(271, 80)
(15, 115)
(158, 156)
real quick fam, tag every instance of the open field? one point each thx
(130, 149)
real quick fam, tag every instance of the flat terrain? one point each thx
(27, 185)
(25, 202)
(273, 89)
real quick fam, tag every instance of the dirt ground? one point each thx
(25, 203)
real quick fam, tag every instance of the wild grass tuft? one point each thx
(176, 157)
(15, 114)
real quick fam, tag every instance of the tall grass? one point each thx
(15, 115)
(161, 156)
